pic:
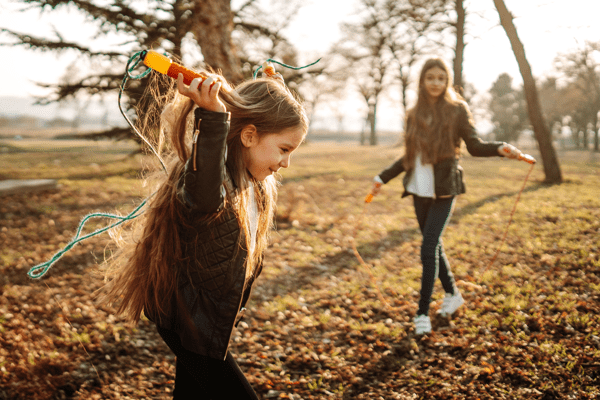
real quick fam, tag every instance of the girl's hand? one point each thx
(510, 151)
(205, 94)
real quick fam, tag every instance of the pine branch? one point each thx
(44, 44)
(93, 85)
(246, 4)
(117, 16)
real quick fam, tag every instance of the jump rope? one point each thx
(162, 64)
(522, 157)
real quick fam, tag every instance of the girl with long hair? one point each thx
(434, 130)
(190, 263)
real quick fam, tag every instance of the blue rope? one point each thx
(41, 269)
(35, 272)
(284, 65)
(137, 57)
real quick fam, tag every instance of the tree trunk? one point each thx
(575, 135)
(596, 131)
(460, 46)
(540, 129)
(585, 141)
(403, 89)
(362, 132)
(213, 33)
(373, 137)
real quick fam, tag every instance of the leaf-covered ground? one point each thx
(317, 327)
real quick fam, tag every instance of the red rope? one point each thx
(368, 268)
(512, 213)
(360, 259)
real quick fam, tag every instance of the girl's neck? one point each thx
(433, 100)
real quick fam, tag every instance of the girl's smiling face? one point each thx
(265, 154)
(436, 82)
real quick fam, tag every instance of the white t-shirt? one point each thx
(422, 180)
(253, 220)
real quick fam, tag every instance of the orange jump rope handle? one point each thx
(370, 196)
(269, 71)
(164, 65)
(522, 157)
(527, 158)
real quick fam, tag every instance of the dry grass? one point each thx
(316, 327)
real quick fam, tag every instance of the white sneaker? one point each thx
(422, 324)
(451, 304)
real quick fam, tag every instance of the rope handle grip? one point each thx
(527, 158)
(163, 64)
(506, 148)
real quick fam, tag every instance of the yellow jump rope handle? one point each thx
(166, 66)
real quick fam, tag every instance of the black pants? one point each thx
(203, 377)
(433, 216)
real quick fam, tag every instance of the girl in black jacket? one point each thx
(191, 264)
(434, 130)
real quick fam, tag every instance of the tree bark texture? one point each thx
(373, 137)
(213, 33)
(596, 132)
(540, 129)
(460, 45)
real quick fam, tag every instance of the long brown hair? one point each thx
(431, 128)
(143, 272)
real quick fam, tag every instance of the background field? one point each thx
(316, 327)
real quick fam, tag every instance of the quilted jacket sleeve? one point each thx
(202, 188)
(475, 145)
(393, 170)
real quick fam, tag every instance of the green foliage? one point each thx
(508, 108)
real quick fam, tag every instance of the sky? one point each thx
(546, 27)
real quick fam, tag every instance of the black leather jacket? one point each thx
(448, 174)
(211, 284)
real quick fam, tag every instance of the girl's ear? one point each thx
(249, 136)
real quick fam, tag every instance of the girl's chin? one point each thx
(261, 176)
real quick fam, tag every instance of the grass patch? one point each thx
(316, 326)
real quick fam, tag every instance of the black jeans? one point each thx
(203, 377)
(433, 216)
